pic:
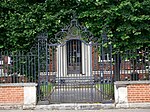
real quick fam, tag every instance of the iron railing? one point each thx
(129, 65)
(134, 64)
(18, 67)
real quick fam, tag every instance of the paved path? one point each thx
(75, 94)
(107, 110)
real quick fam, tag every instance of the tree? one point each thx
(126, 22)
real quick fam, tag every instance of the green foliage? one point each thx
(108, 89)
(127, 22)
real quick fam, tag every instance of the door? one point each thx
(74, 57)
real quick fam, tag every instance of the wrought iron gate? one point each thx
(75, 69)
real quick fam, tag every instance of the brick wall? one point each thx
(11, 95)
(134, 94)
(138, 93)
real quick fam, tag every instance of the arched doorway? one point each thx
(74, 57)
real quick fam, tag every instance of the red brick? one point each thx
(139, 93)
(11, 95)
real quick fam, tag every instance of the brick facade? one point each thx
(138, 93)
(11, 95)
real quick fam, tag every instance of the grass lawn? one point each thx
(46, 89)
(105, 88)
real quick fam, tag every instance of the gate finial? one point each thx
(43, 35)
(104, 36)
(74, 16)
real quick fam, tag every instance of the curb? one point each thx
(75, 106)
